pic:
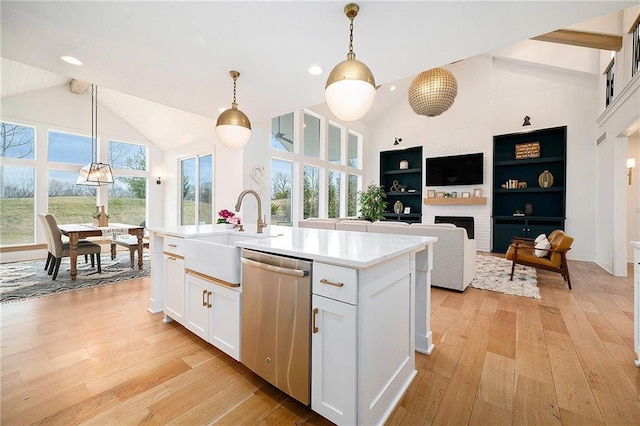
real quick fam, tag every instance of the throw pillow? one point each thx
(542, 247)
(540, 238)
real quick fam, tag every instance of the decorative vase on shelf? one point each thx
(545, 180)
(397, 207)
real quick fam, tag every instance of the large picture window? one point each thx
(281, 190)
(321, 176)
(69, 148)
(17, 141)
(128, 194)
(197, 187)
(68, 202)
(17, 205)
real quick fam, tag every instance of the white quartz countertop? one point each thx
(191, 231)
(345, 248)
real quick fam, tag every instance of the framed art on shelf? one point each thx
(407, 210)
(466, 195)
(477, 192)
(431, 193)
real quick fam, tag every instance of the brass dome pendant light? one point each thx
(432, 92)
(94, 173)
(351, 88)
(233, 127)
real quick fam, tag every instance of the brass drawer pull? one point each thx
(208, 299)
(204, 302)
(326, 281)
(314, 326)
(172, 245)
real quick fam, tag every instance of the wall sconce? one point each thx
(527, 121)
(158, 181)
(631, 163)
(397, 141)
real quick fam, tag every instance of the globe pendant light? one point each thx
(351, 88)
(432, 92)
(94, 173)
(233, 127)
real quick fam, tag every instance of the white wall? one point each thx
(493, 97)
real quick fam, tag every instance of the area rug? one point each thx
(28, 280)
(493, 273)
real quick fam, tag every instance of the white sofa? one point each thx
(454, 258)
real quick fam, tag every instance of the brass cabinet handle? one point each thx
(172, 245)
(209, 300)
(326, 281)
(315, 313)
(204, 293)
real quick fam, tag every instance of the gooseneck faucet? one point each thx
(261, 223)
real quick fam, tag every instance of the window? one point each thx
(353, 185)
(636, 48)
(17, 141)
(68, 202)
(128, 194)
(282, 133)
(335, 144)
(281, 189)
(319, 177)
(311, 194)
(17, 205)
(69, 148)
(197, 187)
(610, 72)
(333, 193)
(353, 151)
(311, 136)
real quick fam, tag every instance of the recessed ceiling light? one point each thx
(315, 70)
(71, 60)
(392, 88)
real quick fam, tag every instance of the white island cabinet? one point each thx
(364, 321)
(636, 298)
(370, 310)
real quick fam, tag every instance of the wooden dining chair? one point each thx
(60, 249)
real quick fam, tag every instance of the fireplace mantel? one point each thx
(469, 201)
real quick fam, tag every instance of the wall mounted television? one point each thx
(454, 170)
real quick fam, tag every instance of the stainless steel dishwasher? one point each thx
(276, 316)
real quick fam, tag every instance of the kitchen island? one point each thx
(366, 330)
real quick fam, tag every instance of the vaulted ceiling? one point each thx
(159, 59)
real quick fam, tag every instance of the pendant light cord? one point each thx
(234, 90)
(351, 37)
(94, 129)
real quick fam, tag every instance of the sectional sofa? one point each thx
(454, 259)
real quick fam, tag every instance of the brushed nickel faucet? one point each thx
(261, 223)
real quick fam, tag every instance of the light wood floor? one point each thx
(98, 357)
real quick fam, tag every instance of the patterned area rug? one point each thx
(28, 280)
(493, 273)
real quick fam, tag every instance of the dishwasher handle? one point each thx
(276, 269)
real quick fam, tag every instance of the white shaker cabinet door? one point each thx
(334, 360)
(173, 285)
(225, 320)
(198, 301)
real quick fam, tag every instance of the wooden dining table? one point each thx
(78, 231)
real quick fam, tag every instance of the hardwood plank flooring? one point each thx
(98, 357)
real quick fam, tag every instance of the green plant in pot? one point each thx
(372, 202)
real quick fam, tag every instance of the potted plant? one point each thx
(372, 202)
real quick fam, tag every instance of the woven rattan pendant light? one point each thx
(432, 92)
